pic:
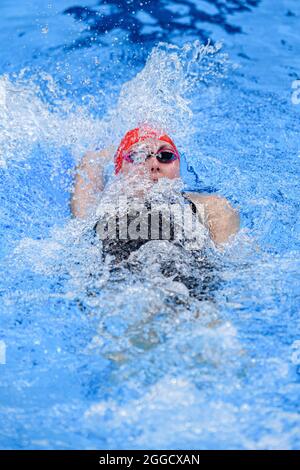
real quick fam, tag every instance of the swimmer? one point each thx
(145, 151)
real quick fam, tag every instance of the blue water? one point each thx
(97, 361)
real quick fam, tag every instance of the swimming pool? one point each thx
(91, 361)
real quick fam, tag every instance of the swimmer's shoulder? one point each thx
(211, 204)
(207, 199)
(218, 215)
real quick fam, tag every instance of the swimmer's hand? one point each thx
(218, 216)
(88, 182)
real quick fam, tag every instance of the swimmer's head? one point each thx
(147, 150)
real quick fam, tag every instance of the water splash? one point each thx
(38, 111)
(161, 93)
(34, 109)
(122, 342)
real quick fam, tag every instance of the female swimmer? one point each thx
(146, 152)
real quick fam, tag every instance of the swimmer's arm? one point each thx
(218, 215)
(88, 182)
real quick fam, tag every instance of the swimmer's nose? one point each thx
(154, 165)
(155, 170)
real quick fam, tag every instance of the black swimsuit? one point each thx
(122, 248)
(193, 269)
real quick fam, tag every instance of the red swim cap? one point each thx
(138, 135)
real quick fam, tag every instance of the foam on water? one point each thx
(106, 357)
(34, 109)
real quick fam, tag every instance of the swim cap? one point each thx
(138, 135)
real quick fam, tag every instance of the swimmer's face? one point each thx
(151, 166)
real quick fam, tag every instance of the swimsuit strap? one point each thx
(194, 208)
